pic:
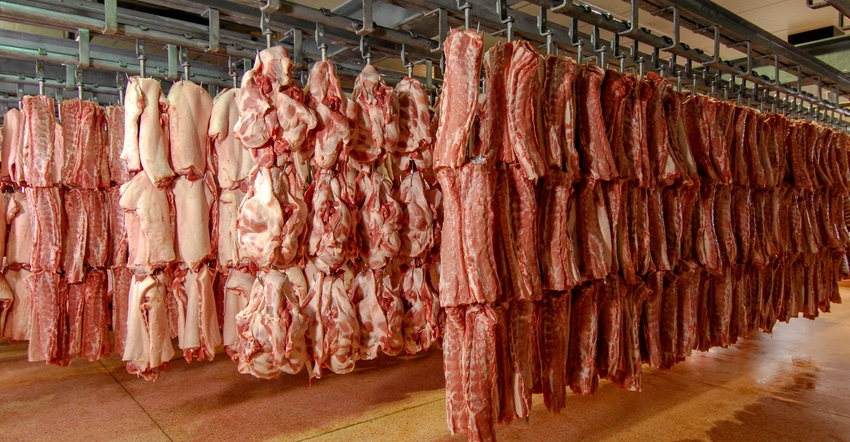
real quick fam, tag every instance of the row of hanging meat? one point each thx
(339, 219)
(59, 181)
(318, 256)
(594, 221)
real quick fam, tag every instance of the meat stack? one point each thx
(40, 161)
(376, 288)
(119, 274)
(191, 196)
(85, 247)
(150, 231)
(167, 219)
(469, 279)
(333, 332)
(322, 222)
(232, 164)
(272, 217)
(18, 248)
(419, 200)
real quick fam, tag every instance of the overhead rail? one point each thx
(842, 6)
(733, 29)
(224, 30)
(683, 15)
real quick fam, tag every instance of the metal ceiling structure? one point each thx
(214, 41)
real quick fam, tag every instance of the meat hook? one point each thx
(507, 20)
(140, 53)
(79, 74)
(543, 29)
(405, 61)
(575, 40)
(598, 48)
(39, 74)
(183, 55)
(617, 54)
(365, 50)
(464, 6)
(635, 50)
(120, 84)
(265, 29)
(319, 36)
(231, 70)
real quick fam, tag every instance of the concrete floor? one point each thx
(792, 385)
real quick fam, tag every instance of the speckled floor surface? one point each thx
(792, 385)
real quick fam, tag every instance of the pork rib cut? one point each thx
(41, 152)
(85, 148)
(463, 51)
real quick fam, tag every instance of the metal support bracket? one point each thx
(443, 27)
(634, 19)
(564, 5)
(715, 58)
(775, 68)
(368, 25)
(83, 40)
(841, 24)
(173, 62)
(298, 48)
(270, 6)
(675, 41)
(70, 77)
(215, 29)
(110, 17)
(748, 70)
